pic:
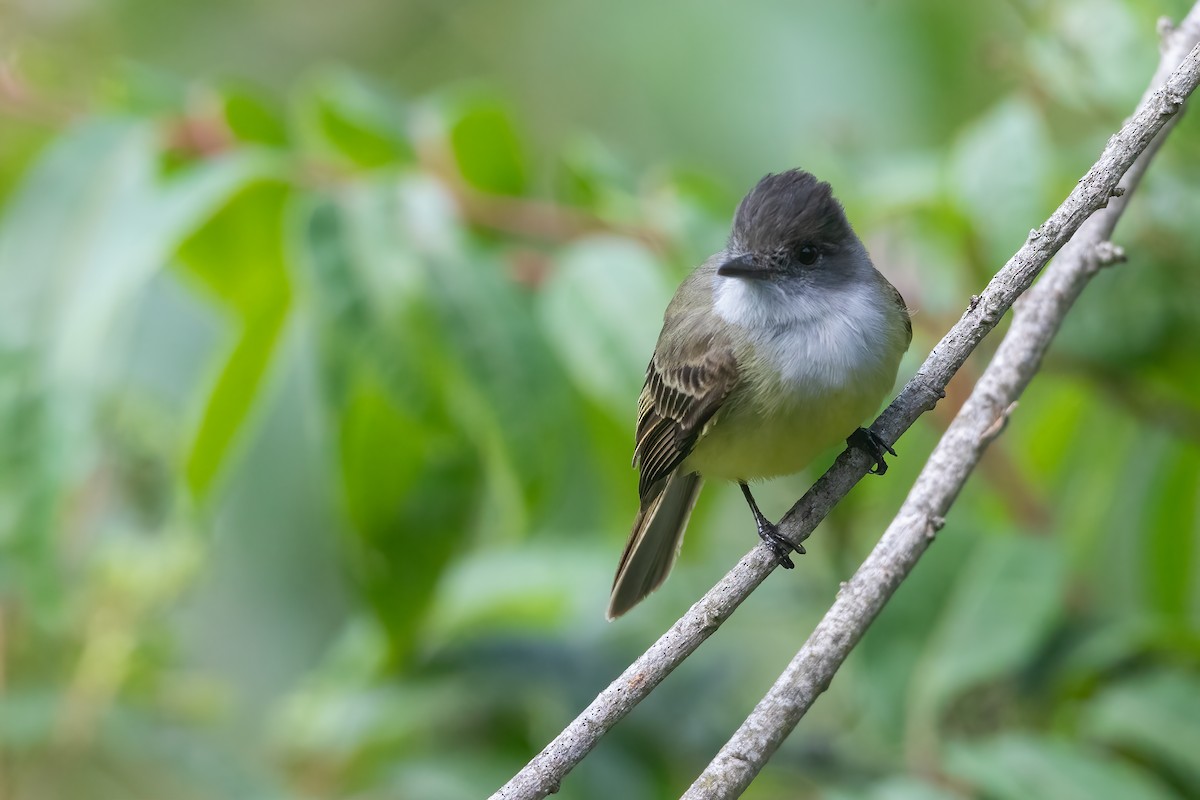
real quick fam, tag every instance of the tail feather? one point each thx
(653, 542)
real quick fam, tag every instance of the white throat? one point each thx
(815, 340)
(753, 304)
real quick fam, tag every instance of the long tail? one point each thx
(653, 542)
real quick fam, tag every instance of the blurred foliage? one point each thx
(321, 328)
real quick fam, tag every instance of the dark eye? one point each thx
(808, 254)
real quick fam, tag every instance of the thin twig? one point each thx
(542, 775)
(1036, 320)
(523, 217)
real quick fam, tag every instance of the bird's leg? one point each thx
(870, 443)
(770, 534)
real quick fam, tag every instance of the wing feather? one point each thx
(676, 403)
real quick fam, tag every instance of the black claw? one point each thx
(767, 531)
(780, 546)
(870, 443)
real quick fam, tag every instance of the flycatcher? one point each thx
(771, 351)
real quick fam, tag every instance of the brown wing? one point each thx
(675, 405)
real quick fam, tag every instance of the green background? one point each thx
(321, 331)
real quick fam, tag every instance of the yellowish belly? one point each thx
(744, 443)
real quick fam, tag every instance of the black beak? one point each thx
(743, 267)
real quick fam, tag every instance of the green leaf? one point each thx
(1155, 715)
(1121, 321)
(412, 486)
(999, 172)
(485, 144)
(411, 476)
(587, 175)
(98, 221)
(239, 257)
(343, 116)
(251, 118)
(1094, 654)
(1069, 56)
(1007, 598)
(30, 488)
(1021, 767)
(885, 661)
(1169, 568)
(536, 587)
(903, 182)
(507, 392)
(601, 311)
(418, 289)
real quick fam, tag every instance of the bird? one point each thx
(771, 351)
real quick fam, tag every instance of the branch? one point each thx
(542, 775)
(535, 219)
(1036, 320)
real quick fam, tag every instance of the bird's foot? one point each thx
(870, 443)
(779, 544)
(770, 534)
